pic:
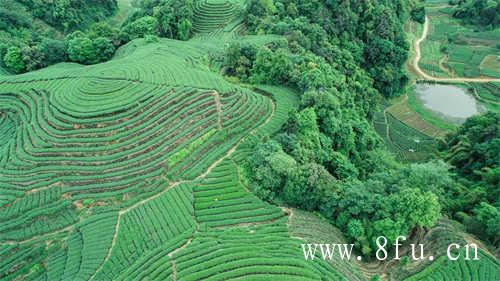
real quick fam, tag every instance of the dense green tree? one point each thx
(104, 49)
(489, 219)
(270, 168)
(84, 50)
(141, 27)
(36, 27)
(414, 207)
(174, 18)
(13, 59)
(81, 49)
(473, 151)
(475, 146)
(481, 12)
(418, 13)
(103, 29)
(184, 29)
(33, 57)
(54, 51)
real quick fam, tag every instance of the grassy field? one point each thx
(452, 49)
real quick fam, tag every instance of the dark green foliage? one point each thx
(69, 15)
(485, 13)
(339, 30)
(475, 147)
(489, 218)
(35, 28)
(103, 48)
(13, 14)
(174, 18)
(327, 157)
(474, 151)
(418, 13)
(84, 50)
(386, 51)
(389, 203)
(54, 51)
(33, 57)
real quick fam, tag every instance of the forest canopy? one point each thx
(344, 57)
(484, 13)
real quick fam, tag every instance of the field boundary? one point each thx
(172, 185)
(427, 77)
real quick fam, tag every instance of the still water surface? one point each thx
(449, 101)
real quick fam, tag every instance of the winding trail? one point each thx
(428, 77)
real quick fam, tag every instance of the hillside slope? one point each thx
(136, 169)
(128, 170)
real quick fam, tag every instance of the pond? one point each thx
(451, 102)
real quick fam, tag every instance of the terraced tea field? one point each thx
(215, 14)
(131, 171)
(488, 94)
(408, 143)
(134, 169)
(444, 269)
(450, 49)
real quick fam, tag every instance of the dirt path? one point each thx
(203, 175)
(427, 77)
(219, 109)
(174, 271)
(387, 132)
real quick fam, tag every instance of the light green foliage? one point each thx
(489, 217)
(415, 207)
(184, 152)
(184, 29)
(81, 49)
(87, 51)
(14, 59)
(143, 26)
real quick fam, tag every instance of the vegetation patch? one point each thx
(456, 49)
(184, 152)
